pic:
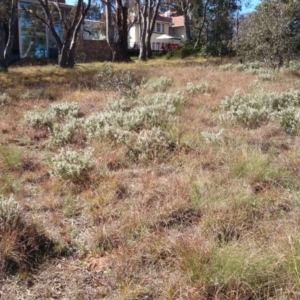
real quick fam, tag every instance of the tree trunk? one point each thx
(66, 47)
(143, 27)
(3, 63)
(152, 14)
(186, 18)
(202, 24)
(148, 44)
(7, 36)
(118, 45)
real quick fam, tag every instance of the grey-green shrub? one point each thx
(10, 211)
(4, 99)
(35, 94)
(123, 82)
(202, 87)
(159, 84)
(249, 110)
(211, 137)
(73, 165)
(252, 110)
(64, 133)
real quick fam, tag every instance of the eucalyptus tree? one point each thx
(214, 24)
(116, 16)
(8, 16)
(147, 14)
(52, 13)
(271, 33)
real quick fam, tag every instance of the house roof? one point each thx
(177, 21)
(162, 18)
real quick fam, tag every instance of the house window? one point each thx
(158, 27)
(163, 28)
(158, 46)
(33, 38)
(91, 32)
(153, 46)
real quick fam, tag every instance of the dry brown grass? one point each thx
(208, 221)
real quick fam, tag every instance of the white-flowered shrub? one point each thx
(148, 144)
(249, 110)
(122, 122)
(4, 99)
(64, 133)
(36, 94)
(202, 87)
(62, 120)
(73, 165)
(266, 75)
(134, 115)
(226, 67)
(64, 109)
(37, 119)
(122, 82)
(212, 137)
(252, 110)
(250, 67)
(10, 211)
(159, 84)
(289, 119)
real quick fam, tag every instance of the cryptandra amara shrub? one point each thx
(122, 82)
(211, 137)
(159, 84)
(253, 110)
(202, 87)
(56, 113)
(4, 99)
(123, 121)
(73, 165)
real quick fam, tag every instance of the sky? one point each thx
(244, 9)
(252, 6)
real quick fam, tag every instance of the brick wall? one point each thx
(88, 51)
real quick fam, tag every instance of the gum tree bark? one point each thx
(117, 36)
(7, 31)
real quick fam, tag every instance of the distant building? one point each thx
(34, 40)
(168, 32)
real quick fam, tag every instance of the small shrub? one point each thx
(160, 84)
(4, 99)
(211, 137)
(251, 67)
(64, 109)
(202, 87)
(57, 113)
(266, 76)
(33, 94)
(226, 67)
(290, 120)
(122, 82)
(73, 165)
(255, 109)
(37, 119)
(169, 55)
(250, 110)
(62, 134)
(149, 144)
(10, 211)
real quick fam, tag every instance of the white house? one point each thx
(168, 33)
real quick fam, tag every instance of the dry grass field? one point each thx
(159, 180)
